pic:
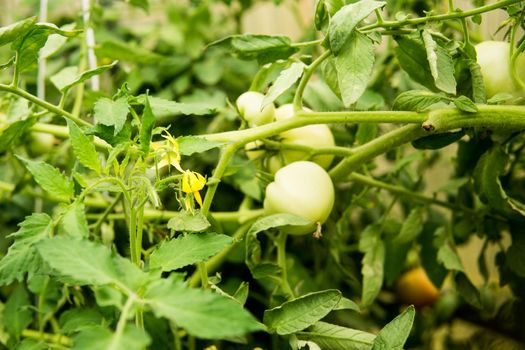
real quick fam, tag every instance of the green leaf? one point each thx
(489, 168)
(49, 178)
(263, 48)
(515, 257)
(354, 66)
(440, 63)
(416, 100)
(79, 261)
(332, 337)
(465, 104)
(300, 313)
(124, 51)
(69, 77)
(112, 113)
(143, 4)
(200, 312)
(146, 127)
(187, 250)
(14, 132)
(189, 145)
(162, 108)
(284, 81)
(324, 10)
(412, 226)
(55, 42)
(342, 24)
(74, 320)
(394, 335)
(83, 148)
(373, 261)
(74, 222)
(467, 290)
(478, 85)
(185, 221)
(412, 58)
(438, 141)
(16, 30)
(445, 254)
(28, 46)
(17, 314)
(347, 304)
(21, 256)
(131, 338)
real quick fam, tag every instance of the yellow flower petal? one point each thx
(198, 198)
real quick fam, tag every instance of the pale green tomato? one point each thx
(41, 143)
(493, 58)
(249, 105)
(303, 189)
(314, 136)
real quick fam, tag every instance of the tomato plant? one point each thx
(152, 195)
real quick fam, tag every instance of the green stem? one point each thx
(380, 145)
(442, 17)
(48, 338)
(280, 242)
(102, 218)
(44, 104)
(307, 74)
(16, 73)
(307, 43)
(121, 325)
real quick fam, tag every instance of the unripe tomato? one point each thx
(315, 136)
(249, 105)
(41, 143)
(303, 189)
(493, 58)
(415, 288)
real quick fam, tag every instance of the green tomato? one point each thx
(303, 189)
(493, 59)
(41, 143)
(314, 136)
(249, 105)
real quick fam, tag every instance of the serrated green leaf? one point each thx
(412, 57)
(440, 63)
(284, 81)
(354, 66)
(467, 290)
(263, 48)
(16, 30)
(131, 338)
(330, 336)
(394, 335)
(185, 221)
(14, 132)
(416, 100)
(342, 24)
(79, 261)
(74, 222)
(146, 127)
(49, 178)
(200, 312)
(83, 148)
(373, 261)
(300, 313)
(21, 256)
(112, 113)
(69, 76)
(465, 104)
(412, 226)
(187, 250)
(189, 145)
(17, 314)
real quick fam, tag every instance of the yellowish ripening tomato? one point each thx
(249, 105)
(493, 58)
(415, 288)
(303, 189)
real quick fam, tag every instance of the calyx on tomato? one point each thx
(494, 61)
(249, 105)
(303, 189)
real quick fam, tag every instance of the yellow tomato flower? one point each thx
(193, 182)
(168, 151)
